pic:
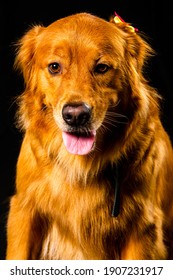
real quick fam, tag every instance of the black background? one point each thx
(154, 18)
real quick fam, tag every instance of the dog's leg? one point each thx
(18, 231)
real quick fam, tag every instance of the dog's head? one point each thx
(83, 78)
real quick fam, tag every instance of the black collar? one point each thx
(115, 182)
(111, 173)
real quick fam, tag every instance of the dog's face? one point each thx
(81, 75)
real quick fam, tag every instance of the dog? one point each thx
(94, 178)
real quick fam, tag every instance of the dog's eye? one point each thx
(54, 68)
(101, 68)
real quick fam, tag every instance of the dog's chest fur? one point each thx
(92, 232)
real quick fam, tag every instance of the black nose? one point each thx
(76, 114)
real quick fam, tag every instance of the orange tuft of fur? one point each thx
(84, 81)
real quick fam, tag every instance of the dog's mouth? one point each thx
(79, 143)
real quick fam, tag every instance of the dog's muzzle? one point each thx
(78, 137)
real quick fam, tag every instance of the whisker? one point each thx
(112, 113)
(104, 128)
(114, 121)
(115, 114)
(97, 150)
(109, 122)
(112, 117)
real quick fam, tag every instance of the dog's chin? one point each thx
(79, 143)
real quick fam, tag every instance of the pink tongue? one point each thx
(78, 145)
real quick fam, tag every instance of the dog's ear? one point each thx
(137, 50)
(136, 54)
(25, 51)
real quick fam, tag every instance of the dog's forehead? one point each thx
(82, 27)
(81, 35)
(79, 21)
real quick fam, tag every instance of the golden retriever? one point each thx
(95, 171)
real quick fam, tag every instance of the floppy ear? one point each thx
(25, 51)
(137, 49)
(136, 54)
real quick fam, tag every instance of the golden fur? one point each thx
(63, 202)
